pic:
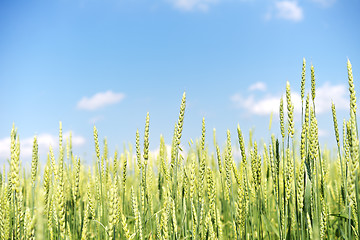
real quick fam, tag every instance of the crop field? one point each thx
(283, 188)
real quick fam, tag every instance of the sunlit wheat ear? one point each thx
(228, 165)
(91, 205)
(323, 216)
(240, 208)
(106, 150)
(138, 222)
(116, 164)
(125, 227)
(289, 175)
(301, 185)
(282, 124)
(218, 156)
(27, 221)
(219, 224)
(29, 225)
(303, 75)
(61, 192)
(2, 214)
(194, 220)
(96, 140)
(351, 88)
(76, 181)
(19, 213)
(304, 130)
(254, 166)
(15, 160)
(242, 146)
(164, 226)
(35, 160)
(309, 228)
(202, 142)
(84, 233)
(146, 139)
(313, 83)
(181, 118)
(313, 140)
(54, 167)
(201, 219)
(6, 208)
(208, 223)
(290, 111)
(211, 191)
(138, 151)
(353, 165)
(201, 175)
(124, 162)
(163, 166)
(273, 166)
(336, 129)
(112, 212)
(47, 184)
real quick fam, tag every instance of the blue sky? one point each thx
(86, 62)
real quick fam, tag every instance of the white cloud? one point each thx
(193, 5)
(258, 86)
(44, 142)
(289, 10)
(100, 100)
(268, 104)
(327, 93)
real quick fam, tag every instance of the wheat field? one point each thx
(286, 188)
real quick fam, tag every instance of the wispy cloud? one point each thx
(100, 100)
(44, 142)
(287, 10)
(193, 5)
(267, 104)
(260, 86)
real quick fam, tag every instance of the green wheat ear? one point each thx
(242, 146)
(96, 140)
(290, 110)
(35, 160)
(313, 83)
(202, 143)
(336, 129)
(303, 75)
(282, 124)
(181, 118)
(351, 88)
(146, 139)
